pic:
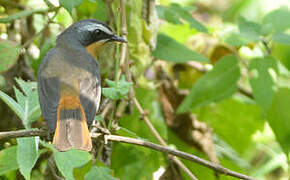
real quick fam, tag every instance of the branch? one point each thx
(29, 41)
(160, 139)
(216, 167)
(26, 13)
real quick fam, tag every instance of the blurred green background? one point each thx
(212, 74)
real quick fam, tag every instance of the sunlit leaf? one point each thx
(277, 20)
(8, 160)
(278, 117)
(236, 39)
(27, 154)
(170, 50)
(282, 38)
(217, 84)
(261, 80)
(9, 52)
(249, 29)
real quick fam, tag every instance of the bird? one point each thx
(69, 83)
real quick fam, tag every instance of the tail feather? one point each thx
(71, 128)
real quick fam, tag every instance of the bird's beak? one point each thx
(116, 38)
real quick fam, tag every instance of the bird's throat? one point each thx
(94, 48)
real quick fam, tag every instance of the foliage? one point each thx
(222, 72)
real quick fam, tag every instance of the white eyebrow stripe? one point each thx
(92, 27)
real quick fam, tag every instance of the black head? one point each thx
(89, 31)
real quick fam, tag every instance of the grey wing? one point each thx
(90, 95)
(49, 94)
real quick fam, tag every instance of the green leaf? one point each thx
(80, 172)
(282, 53)
(24, 13)
(233, 121)
(27, 154)
(67, 161)
(28, 102)
(70, 4)
(282, 38)
(277, 20)
(261, 80)
(27, 106)
(128, 162)
(8, 161)
(116, 90)
(99, 173)
(279, 116)
(17, 109)
(170, 50)
(249, 29)
(236, 39)
(95, 9)
(9, 52)
(218, 84)
(175, 13)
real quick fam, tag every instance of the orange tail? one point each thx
(71, 128)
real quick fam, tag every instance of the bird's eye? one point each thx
(97, 32)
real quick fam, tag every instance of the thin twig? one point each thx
(50, 20)
(22, 133)
(160, 139)
(26, 13)
(124, 32)
(216, 167)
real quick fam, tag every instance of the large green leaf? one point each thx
(282, 53)
(279, 117)
(176, 13)
(70, 4)
(170, 50)
(282, 38)
(92, 9)
(233, 121)
(8, 161)
(67, 161)
(9, 52)
(217, 84)
(236, 39)
(99, 173)
(27, 154)
(249, 29)
(261, 80)
(277, 20)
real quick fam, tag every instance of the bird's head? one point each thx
(89, 31)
